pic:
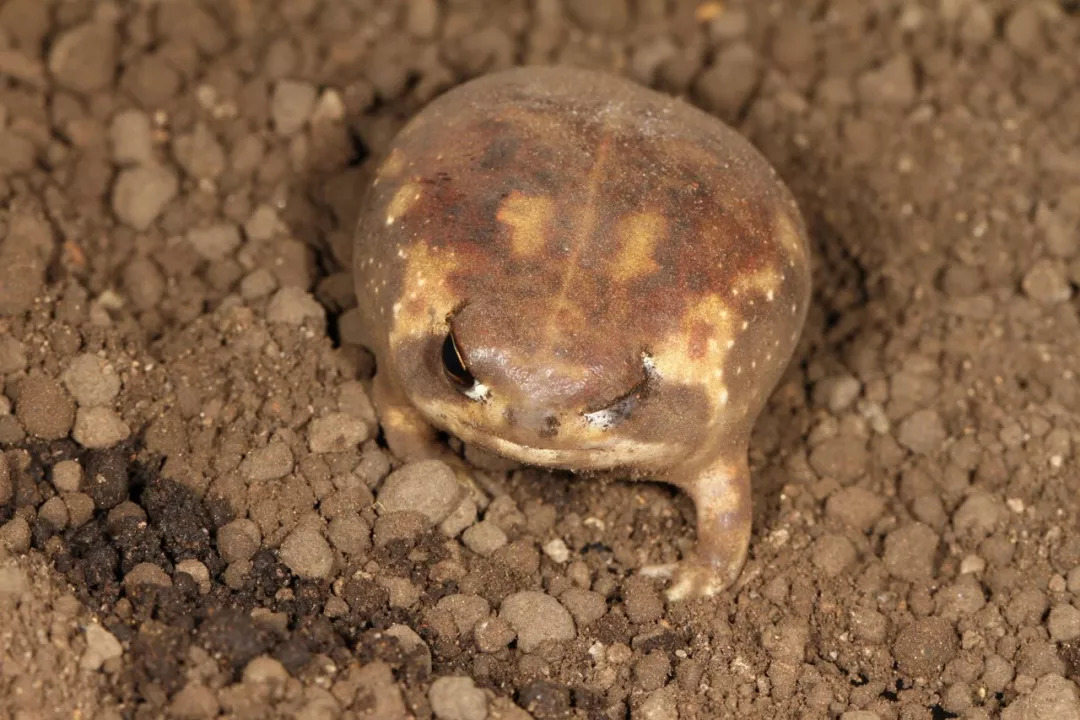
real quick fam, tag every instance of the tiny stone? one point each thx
(428, 487)
(457, 698)
(922, 432)
(99, 427)
(91, 380)
(909, 552)
(585, 605)
(141, 193)
(54, 512)
(493, 634)
(832, 554)
(80, 507)
(15, 535)
(101, 645)
(257, 284)
(271, 462)
(661, 704)
(977, 515)
(291, 105)
(411, 642)
(537, 617)
(235, 574)
(556, 550)
(131, 137)
(238, 540)
(200, 153)
(264, 669)
(337, 432)
(925, 646)
(349, 533)
(215, 243)
(643, 602)
(422, 18)
(262, 224)
(467, 611)
(1045, 283)
(307, 554)
(198, 572)
(7, 489)
(195, 702)
(402, 593)
(484, 538)
(83, 59)
(890, 86)
(1063, 623)
(837, 392)
(1053, 697)
(44, 408)
(146, 574)
(855, 507)
(12, 355)
(292, 306)
(460, 518)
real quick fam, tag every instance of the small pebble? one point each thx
(459, 518)
(101, 646)
(891, 86)
(337, 432)
(131, 138)
(1046, 283)
(198, 572)
(428, 487)
(200, 153)
(292, 306)
(467, 611)
(556, 550)
(15, 535)
(270, 462)
(586, 606)
(12, 355)
(216, 242)
(921, 432)
(99, 427)
(484, 538)
(1063, 623)
(91, 380)
(264, 669)
(493, 634)
(855, 507)
(195, 702)
(923, 647)
(83, 59)
(80, 507)
(537, 617)
(291, 105)
(411, 642)
(44, 408)
(307, 554)
(141, 193)
(54, 512)
(67, 475)
(238, 540)
(837, 392)
(457, 698)
(909, 552)
(349, 533)
(146, 574)
(659, 705)
(1052, 698)
(832, 554)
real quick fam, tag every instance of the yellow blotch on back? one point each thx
(695, 353)
(790, 239)
(403, 199)
(529, 218)
(764, 281)
(426, 297)
(638, 234)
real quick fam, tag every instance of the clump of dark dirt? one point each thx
(199, 518)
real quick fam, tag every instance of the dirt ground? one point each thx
(197, 518)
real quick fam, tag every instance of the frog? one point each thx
(573, 271)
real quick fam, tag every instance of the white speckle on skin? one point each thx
(723, 396)
(479, 392)
(770, 295)
(730, 344)
(745, 324)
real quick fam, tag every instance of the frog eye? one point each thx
(454, 364)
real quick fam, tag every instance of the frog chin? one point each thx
(578, 448)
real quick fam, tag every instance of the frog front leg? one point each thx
(722, 500)
(408, 435)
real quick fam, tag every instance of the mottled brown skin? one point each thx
(623, 276)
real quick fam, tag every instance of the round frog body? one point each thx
(574, 271)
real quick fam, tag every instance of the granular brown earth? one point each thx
(197, 518)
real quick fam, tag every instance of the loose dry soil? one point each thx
(196, 515)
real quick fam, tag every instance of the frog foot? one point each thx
(721, 495)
